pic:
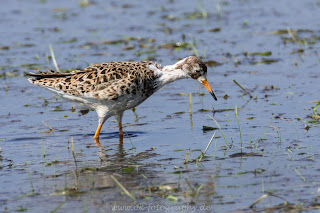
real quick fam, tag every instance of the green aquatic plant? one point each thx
(315, 109)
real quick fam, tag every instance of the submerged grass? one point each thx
(31, 184)
(262, 137)
(190, 103)
(279, 133)
(198, 191)
(202, 9)
(133, 147)
(43, 151)
(76, 174)
(58, 207)
(304, 180)
(265, 196)
(123, 188)
(73, 152)
(236, 110)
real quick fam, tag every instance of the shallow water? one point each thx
(38, 172)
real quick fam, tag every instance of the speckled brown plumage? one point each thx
(105, 81)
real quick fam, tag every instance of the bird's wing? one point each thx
(114, 78)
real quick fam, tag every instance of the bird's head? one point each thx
(196, 69)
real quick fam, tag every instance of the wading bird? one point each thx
(113, 87)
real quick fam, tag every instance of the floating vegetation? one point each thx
(58, 109)
(4, 48)
(208, 128)
(215, 110)
(315, 117)
(250, 118)
(195, 15)
(285, 31)
(113, 42)
(244, 154)
(302, 37)
(212, 63)
(265, 61)
(9, 74)
(176, 46)
(84, 3)
(171, 17)
(215, 30)
(268, 53)
(30, 66)
(73, 40)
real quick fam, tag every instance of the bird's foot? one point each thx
(96, 140)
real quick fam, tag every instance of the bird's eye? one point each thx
(198, 71)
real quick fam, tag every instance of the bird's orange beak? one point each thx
(208, 87)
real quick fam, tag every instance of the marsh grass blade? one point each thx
(291, 34)
(50, 128)
(262, 137)
(73, 152)
(32, 188)
(75, 162)
(239, 128)
(55, 64)
(266, 129)
(202, 154)
(258, 200)
(220, 130)
(315, 108)
(187, 154)
(242, 88)
(266, 195)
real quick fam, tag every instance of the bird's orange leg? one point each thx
(120, 132)
(96, 136)
(118, 116)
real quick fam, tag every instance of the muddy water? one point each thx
(270, 48)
